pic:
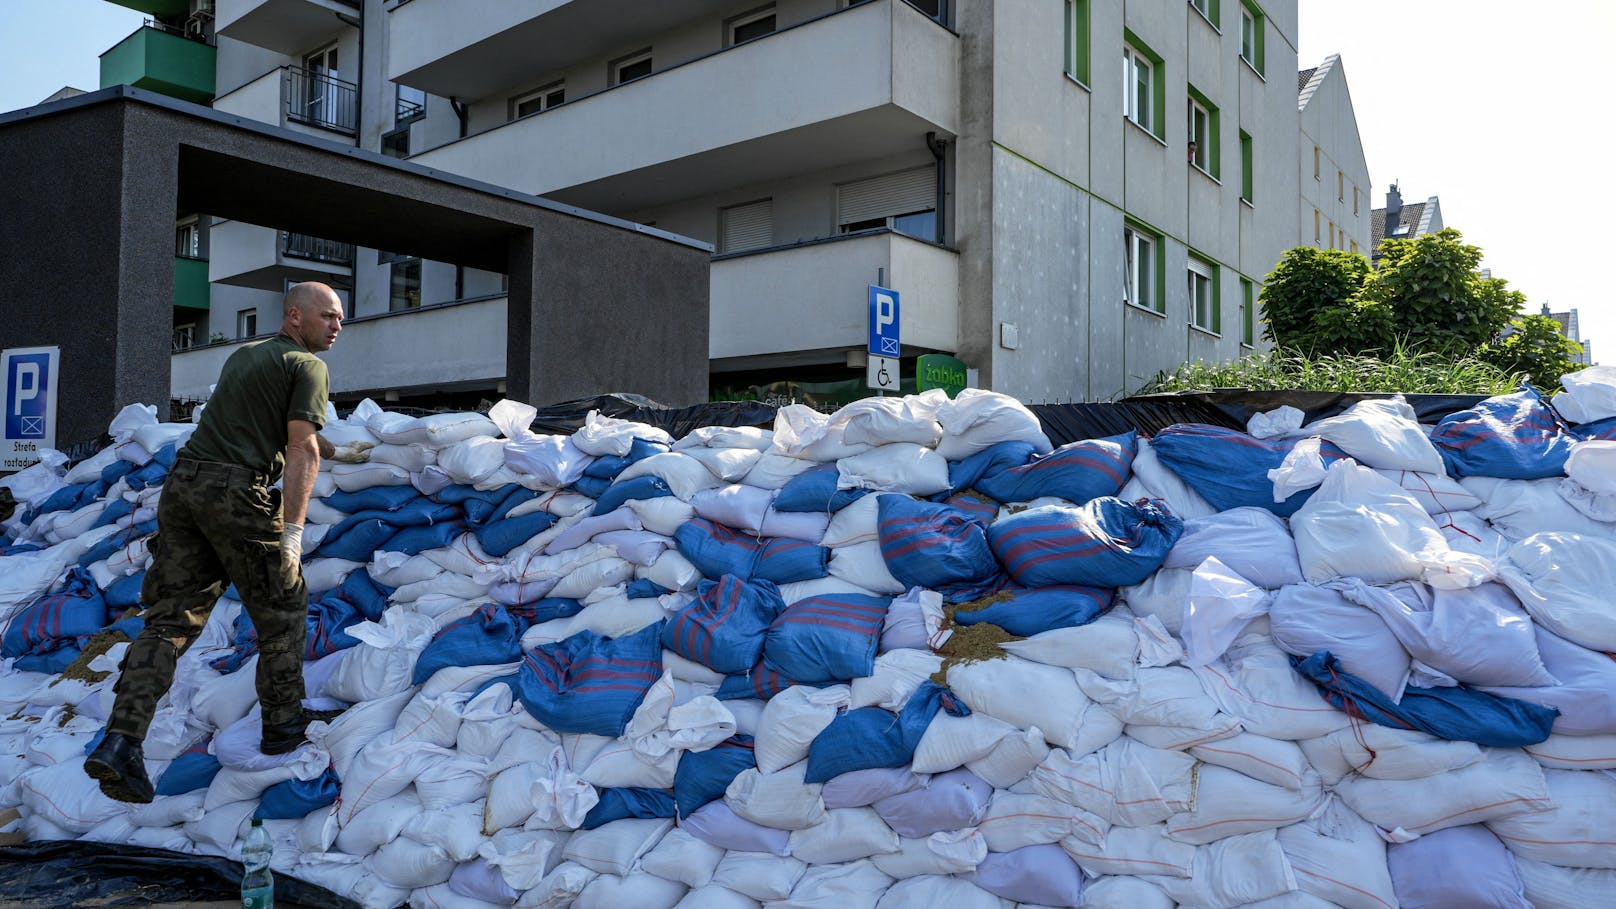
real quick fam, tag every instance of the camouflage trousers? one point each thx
(217, 524)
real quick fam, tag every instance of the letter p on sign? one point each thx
(884, 322)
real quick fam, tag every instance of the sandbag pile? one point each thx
(908, 654)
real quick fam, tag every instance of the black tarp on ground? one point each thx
(1238, 405)
(61, 875)
(568, 416)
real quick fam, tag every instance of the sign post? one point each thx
(886, 346)
(28, 424)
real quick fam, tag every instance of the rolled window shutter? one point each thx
(885, 196)
(748, 226)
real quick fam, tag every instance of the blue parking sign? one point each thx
(884, 322)
(28, 400)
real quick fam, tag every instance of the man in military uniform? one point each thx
(220, 521)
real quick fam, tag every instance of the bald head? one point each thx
(313, 315)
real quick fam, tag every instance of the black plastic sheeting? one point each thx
(1065, 423)
(1239, 405)
(567, 416)
(59, 875)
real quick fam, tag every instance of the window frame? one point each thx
(1211, 150)
(404, 263)
(247, 323)
(727, 211)
(1210, 11)
(1252, 35)
(542, 93)
(1137, 56)
(1248, 316)
(1318, 228)
(1202, 275)
(614, 69)
(1355, 198)
(1150, 272)
(749, 17)
(1340, 185)
(1248, 179)
(1078, 39)
(194, 247)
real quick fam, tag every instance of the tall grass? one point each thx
(1399, 370)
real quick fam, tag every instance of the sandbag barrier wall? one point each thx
(1180, 732)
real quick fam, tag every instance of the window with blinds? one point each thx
(879, 201)
(749, 226)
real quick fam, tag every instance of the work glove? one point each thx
(352, 452)
(292, 545)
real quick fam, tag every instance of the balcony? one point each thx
(866, 82)
(311, 103)
(247, 255)
(813, 297)
(162, 60)
(190, 283)
(290, 27)
(436, 346)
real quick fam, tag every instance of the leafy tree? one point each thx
(1306, 300)
(1436, 298)
(1534, 346)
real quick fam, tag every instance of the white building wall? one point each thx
(1329, 123)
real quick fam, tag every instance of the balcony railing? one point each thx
(406, 111)
(184, 338)
(303, 246)
(321, 100)
(197, 36)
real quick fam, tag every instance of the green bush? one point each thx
(1399, 370)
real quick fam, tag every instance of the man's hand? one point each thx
(351, 452)
(292, 544)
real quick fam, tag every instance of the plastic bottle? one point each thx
(257, 884)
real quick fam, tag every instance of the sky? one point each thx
(1491, 105)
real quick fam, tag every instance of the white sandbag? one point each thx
(1382, 433)
(792, 719)
(1023, 694)
(1164, 595)
(775, 469)
(1338, 856)
(862, 564)
(1014, 757)
(1272, 761)
(614, 848)
(759, 875)
(1575, 752)
(1254, 682)
(1252, 542)
(854, 885)
(1229, 803)
(1520, 508)
(221, 830)
(977, 419)
(65, 796)
(1221, 604)
(602, 435)
(1592, 465)
(25, 576)
(1120, 892)
(447, 783)
(1133, 851)
(1590, 394)
(524, 857)
(1503, 783)
(736, 505)
(1564, 580)
(672, 571)
(803, 432)
(1308, 618)
(1468, 532)
(780, 799)
(728, 464)
(413, 458)
(866, 787)
(639, 548)
(1280, 422)
(548, 789)
(472, 460)
(1437, 493)
(1014, 820)
(1109, 646)
(845, 835)
(381, 771)
(684, 474)
(1126, 783)
(558, 888)
(581, 530)
(1586, 695)
(855, 523)
(1552, 887)
(1232, 872)
(1162, 696)
(952, 741)
(807, 526)
(683, 858)
(385, 658)
(355, 477)
(1477, 636)
(1575, 832)
(1599, 506)
(716, 897)
(432, 719)
(437, 430)
(1360, 525)
(408, 864)
(221, 700)
(900, 467)
(913, 621)
(551, 460)
(926, 891)
(643, 891)
(34, 484)
(1157, 481)
(456, 829)
(896, 676)
(1382, 753)
(664, 723)
(663, 514)
(593, 575)
(747, 437)
(1460, 866)
(946, 852)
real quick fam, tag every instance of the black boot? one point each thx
(120, 767)
(285, 737)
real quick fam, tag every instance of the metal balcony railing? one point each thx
(184, 337)
(407, 111)
(189, 32)
(303, 246)
(321, 100)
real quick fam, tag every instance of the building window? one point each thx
(1203, 134)
(1138, 81)
(188, 239)
(1208, 10)
(1317, 157)
(1203, 295)
(247, 323)
(540, 99)
(409, 105)
(1340, 186)
(633, 66)
(1317, 226)
(1247, 176)
(905, 202)
(1355, 199)
(1141, 269)
(184, 337)
(749, 226)
(1077, 40)
(1251, 35)
(1248, 316)
(396, 143)
(1355, 247)
(404, 290)
(745, 27)
(1332, 235)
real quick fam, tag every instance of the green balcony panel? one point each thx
(156, 7)
(190, 283)
(161, 62)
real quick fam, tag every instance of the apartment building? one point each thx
(1335, 203)
(1069, 195)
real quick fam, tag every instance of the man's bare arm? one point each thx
(302, 467)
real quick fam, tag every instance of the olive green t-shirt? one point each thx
(261, 387)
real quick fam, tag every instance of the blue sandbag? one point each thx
(1105, 543)
(483, 509)
(76, 610)
(52, 662)
(116, 471)
(642, 588)
(1458, 714)
(192, 770)
(1229, 468)
(593, 487)
(996, 458)
(124, 592)
(972, 503)
(357, 537)
(375, 498)
(116, 510)
(703, 776)
(786, 561)
(1024, 611)
(588, 683)
(644, 487)
(66, 498)
(815, 490)
(152, 473)
(609, 466)
(1601, 430)
(110, 546)
(758, 682)
(357, 599)
(1076, 472)
(619, 802)
(827, 638)
(715, 549)
(416, 540)
(871, 737)
(926, 544)
(723, 627)
(486, 637)
(243, 644)
(1516, 437)
(295, 798)
(499, 537)
(544, 610)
